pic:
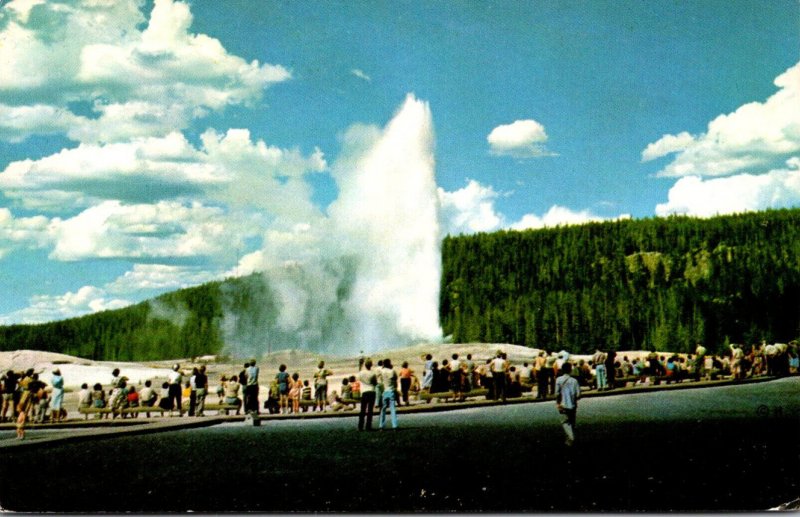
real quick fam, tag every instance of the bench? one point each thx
(100, 411)
(450, 396)
(142, 409)
(213, 406)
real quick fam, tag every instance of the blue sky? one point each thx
(146, 147)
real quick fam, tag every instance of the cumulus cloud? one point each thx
(755, 138)
(160, 277)
(520, 139)
(470, 209)
(667, 144)
(141, 76)
(700, 197)
(23, 232)
(559, 216)
(162, 230)
(42, 308)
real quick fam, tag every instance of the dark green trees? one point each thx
(662, 283)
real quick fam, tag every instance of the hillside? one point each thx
(663, 283)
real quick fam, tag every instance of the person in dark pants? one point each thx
(193, 392)
(251, 388)
(368, 380)
(611, 369)
(174, 389)
(499, 368)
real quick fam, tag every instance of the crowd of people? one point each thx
(381, 387)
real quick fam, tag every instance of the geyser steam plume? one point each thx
(364, 277)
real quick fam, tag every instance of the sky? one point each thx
(148, 146)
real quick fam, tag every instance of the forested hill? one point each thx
(636, 284)
(663, 283)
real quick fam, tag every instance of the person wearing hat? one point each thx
(57, 396)
(175, 378)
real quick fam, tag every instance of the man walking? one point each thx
(568, 391)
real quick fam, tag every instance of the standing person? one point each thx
(9, 392)
(405, 381)
(550, 364)
(193, 391)
(568, 391)
(469, 369)
(201, 390)
(368, 381)
(541, 381)
(379, 385)
(456, 378)
(389, 377)
(252, 387)
(321, 385)
(611, 369)
(295, 389)
(284, 381)
(427, 374)
(175, 379)
(57, 398)
(599, 360)
(499, 372)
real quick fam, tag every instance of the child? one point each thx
(294, 392)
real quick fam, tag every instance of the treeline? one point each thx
(664, 283)
(183, 323)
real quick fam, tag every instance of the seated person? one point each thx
(306, 393)
(165, 403)
(98, 396)
(133, 397)
(355, 387)
(347, 390)
(221, 389)
(148, 396)
(85, 396)
(231, 388)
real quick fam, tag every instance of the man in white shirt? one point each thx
(499, 367)
(368, 380)
(175, 378)
(568, 391)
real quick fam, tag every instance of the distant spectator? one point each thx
(306, 393)
(368, 381)
(567, 394)
(232, 388)
(469, 371)
(201, 390)
(347, 391)
(98, 396)
(166, 397)
(10, 394)
(174, 397)
(389, 394)
(283, 379)
(148, 396)
(251, 388)
(84, 397)
(295, 390)
(321, 385)
(427, 374)
(499, 368)
(355, 387)
(405, 381)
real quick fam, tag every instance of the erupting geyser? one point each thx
(364, 277)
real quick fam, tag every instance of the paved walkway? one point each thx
(80, 430)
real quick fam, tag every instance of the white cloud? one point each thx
(42, 308)
(520, 139)
(700, 197)
(159, 277)
(472, 209)
(140, 81)
(162, 230)
(361, 75)
(469, 210)
(559, 216)
(755, 138)
(24, 232)
(667, 144)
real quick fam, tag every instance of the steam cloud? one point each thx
(366, 275)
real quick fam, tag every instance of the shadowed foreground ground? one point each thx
(715, 449)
